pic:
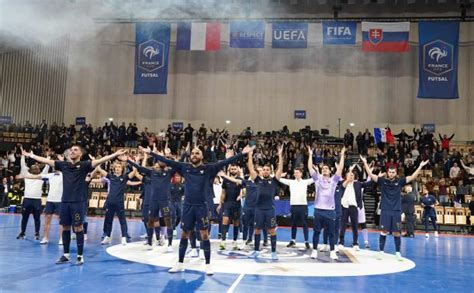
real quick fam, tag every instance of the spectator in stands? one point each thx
(188, 134)
(443, 192)
(4, 189)
(403, 138)
(349, 139)
(454, 171)
(461, 191)
(445, 141)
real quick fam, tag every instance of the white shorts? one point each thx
(361, 215)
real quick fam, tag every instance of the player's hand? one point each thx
(248, 149)
(363, 159)
(144, 150)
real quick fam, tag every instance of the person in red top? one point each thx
(445, 141)
(389, 136)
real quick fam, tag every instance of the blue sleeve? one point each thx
(58, 165)
(177, 165)
(88, 166)
(219, 165)
(402, 181)
(140, 168)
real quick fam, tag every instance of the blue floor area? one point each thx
(442, 264)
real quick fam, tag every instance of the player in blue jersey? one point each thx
(391, 204)
(74, 195)
(265, 210)
(198, 179)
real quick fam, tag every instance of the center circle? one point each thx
(292, 261)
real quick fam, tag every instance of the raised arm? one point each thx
(140, 168)
(102, 160)
(340, 166)
(311, 170)
(174, 164)
(280, 163)
(23, 168)
(230, 178)
(374, 177)
(40, 159)
(415, 174)
(250, 166)
(219, 165)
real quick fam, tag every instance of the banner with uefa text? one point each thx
(438, 60)
(151, 57)
(286, 35)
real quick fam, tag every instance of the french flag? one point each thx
(198, 36)
(385, 36)
(380, 135)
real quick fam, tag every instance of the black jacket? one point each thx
(408, 203)
(358, 190)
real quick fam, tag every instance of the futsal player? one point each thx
(74, 192)
(32, 196)
(231, 206)
(325, 204)
(265, 210)
(428, 202)
(390, 204)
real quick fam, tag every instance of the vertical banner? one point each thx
(339, 32)
(290, 35)
(151, 57)
(247, 34)
(438, 69)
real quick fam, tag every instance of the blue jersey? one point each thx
(232, 191)
(391, 193)
(267, 190)
(75, 187)
(116, 187)
(160, 181)
(428, 201)
(147, 192)
(251, 194)
(176, 192)
(197, 180)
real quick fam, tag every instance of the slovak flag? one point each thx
(385, 36)
(198, 36)
(379, 135)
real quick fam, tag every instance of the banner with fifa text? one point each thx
(339, 32)
(438, 60)
(151, 57)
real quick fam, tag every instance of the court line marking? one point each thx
(236, 282)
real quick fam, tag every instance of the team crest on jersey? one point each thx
(202, 171)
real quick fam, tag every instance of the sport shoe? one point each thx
(124, 241)
(149, 247)
(367, 246)
(222, 245)
(194, 252)
(44, 241)
(175, 233)
(306, 245)
(209, 270)
(291, 244)
(427, 235)
(314, 254)
(398, 256)
(37, 236)
(265, 243)
(85, 237)
(107, 240)
(324, 247)
(356, 247)
(144, 236)
(21, 236)
(333, 255)
(178, 267)
(254, 254)
(169, 249)
(79, 260)
(274, 256)
(219, 236)
(60, 242)
(62, 260)
(380, 255)
(436, 234)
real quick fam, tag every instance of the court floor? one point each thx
(435, 264)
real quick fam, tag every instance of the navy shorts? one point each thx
(72, 213)
(31, 205)
(248, 217)
(159, 209)
(232, 211)
(265, 219)
(176, 208)
(216, 216)
(195, 216)
(52, 208)
(390, 221)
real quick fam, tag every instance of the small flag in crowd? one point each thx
(385, 36)
(379, 135)
(198, 36)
